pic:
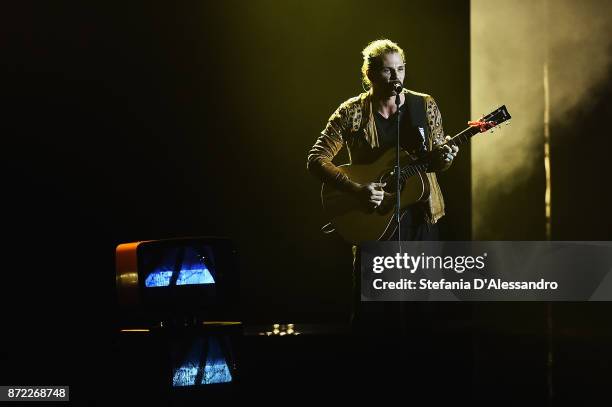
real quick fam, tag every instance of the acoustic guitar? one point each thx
(357, 221)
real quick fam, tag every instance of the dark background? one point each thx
(141, 121)
(147, 121)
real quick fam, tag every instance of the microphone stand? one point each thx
(397, 171)
(398, 188)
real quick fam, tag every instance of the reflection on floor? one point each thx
(458, 364)
(213, 370)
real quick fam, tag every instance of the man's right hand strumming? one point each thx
(372, 193)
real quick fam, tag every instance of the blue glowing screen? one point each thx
(187, 265)
(195, 372)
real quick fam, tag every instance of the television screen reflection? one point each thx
(203, 361)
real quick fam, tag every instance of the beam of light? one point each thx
(547, 151)
(549, 309)
(549, 320)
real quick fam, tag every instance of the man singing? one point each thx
(367, 125)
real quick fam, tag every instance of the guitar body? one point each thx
(357, 221)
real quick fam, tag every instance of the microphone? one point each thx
(397, 86)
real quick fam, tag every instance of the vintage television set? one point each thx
(179, 279)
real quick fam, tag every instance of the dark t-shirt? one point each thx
(410, 138)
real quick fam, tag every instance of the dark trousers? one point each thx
(393, 317)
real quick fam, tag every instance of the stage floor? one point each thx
(329, 361)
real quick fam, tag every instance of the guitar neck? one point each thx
(464, 136)
(459, 139)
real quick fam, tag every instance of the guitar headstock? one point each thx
(491, 120)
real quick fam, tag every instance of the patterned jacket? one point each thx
(352, 125)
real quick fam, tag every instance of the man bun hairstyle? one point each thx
(372, 57)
